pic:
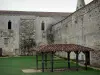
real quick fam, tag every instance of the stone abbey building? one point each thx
(21, 30)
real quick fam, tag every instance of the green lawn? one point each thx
(14, 66)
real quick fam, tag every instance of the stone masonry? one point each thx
(81, 27)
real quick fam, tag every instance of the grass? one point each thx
(58, 63)
(14, 66)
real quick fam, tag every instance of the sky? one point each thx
(40, 5)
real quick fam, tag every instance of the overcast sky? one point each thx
(40, 5)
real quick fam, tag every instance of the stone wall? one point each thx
(7, 41)
(15, 19)
(16, 22)
(48, 21)
(83, 28)
(27, 35)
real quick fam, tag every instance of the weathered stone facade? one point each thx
(7, 41)
(28, 23)
(27, 35)
(82, 27)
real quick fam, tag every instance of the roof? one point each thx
(42, 14)
(62, 47)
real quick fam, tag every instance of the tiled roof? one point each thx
(62, 47)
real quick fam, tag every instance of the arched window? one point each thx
(42, 25)
(9, 24)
